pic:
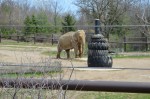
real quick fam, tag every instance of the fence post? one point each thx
(0, 37)
(34, 38)
(146, 39)
(17, 38)
(52, 39)
(125, 48)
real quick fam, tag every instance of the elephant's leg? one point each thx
(58, 54)
(80, 50)
(76, 52)
(68, 53)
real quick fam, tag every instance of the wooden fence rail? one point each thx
(19, 38)
(135, 42)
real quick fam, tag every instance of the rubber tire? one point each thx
(98, 46)
(99, 40)
(97, 52)
(99, 58)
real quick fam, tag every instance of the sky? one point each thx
(67, 5)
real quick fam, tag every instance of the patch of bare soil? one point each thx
(127, 69)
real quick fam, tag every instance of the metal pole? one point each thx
(77, 85)
(97, 26)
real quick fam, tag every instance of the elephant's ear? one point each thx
(76, 36)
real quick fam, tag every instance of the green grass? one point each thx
(49, 94)
(123, 96)
(11, 42)
(50, 53)
(30, 74)
(117, 56)
(131, 56)
(112, 95)
(23, 45)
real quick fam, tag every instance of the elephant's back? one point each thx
(66, 37)
(65, 41)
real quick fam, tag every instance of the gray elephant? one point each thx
(72, 40)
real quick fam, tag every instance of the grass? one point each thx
(49, 94)
(30, 74)
(49, 53)
(11, 42)
(112, 95)
(117, 56)
(131, 56)
(23, 45)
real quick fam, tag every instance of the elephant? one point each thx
(72, 40)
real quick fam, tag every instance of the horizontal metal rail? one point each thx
(114, 26)
(2, 65)
(136, 43)
(78, 85)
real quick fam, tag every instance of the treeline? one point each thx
(21, 17)
(116, 13)
(48, 16)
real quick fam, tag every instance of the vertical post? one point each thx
(97, 26)
(34, 38)
(17, 38)
(125, 44)
(0, 37)
(146, 39)
(52, 39)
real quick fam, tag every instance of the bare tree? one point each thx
(110, 12)
(7, 8)
(142, 15)
(56, 8)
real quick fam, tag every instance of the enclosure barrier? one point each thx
(77, 85)
(19, 38)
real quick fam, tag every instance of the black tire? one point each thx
(98, 46)
(97, 52)
(99, 40)
(99, 59)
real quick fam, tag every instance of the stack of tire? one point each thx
(98, 55)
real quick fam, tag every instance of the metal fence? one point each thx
(44, 70)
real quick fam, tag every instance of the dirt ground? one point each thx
(125, 69)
